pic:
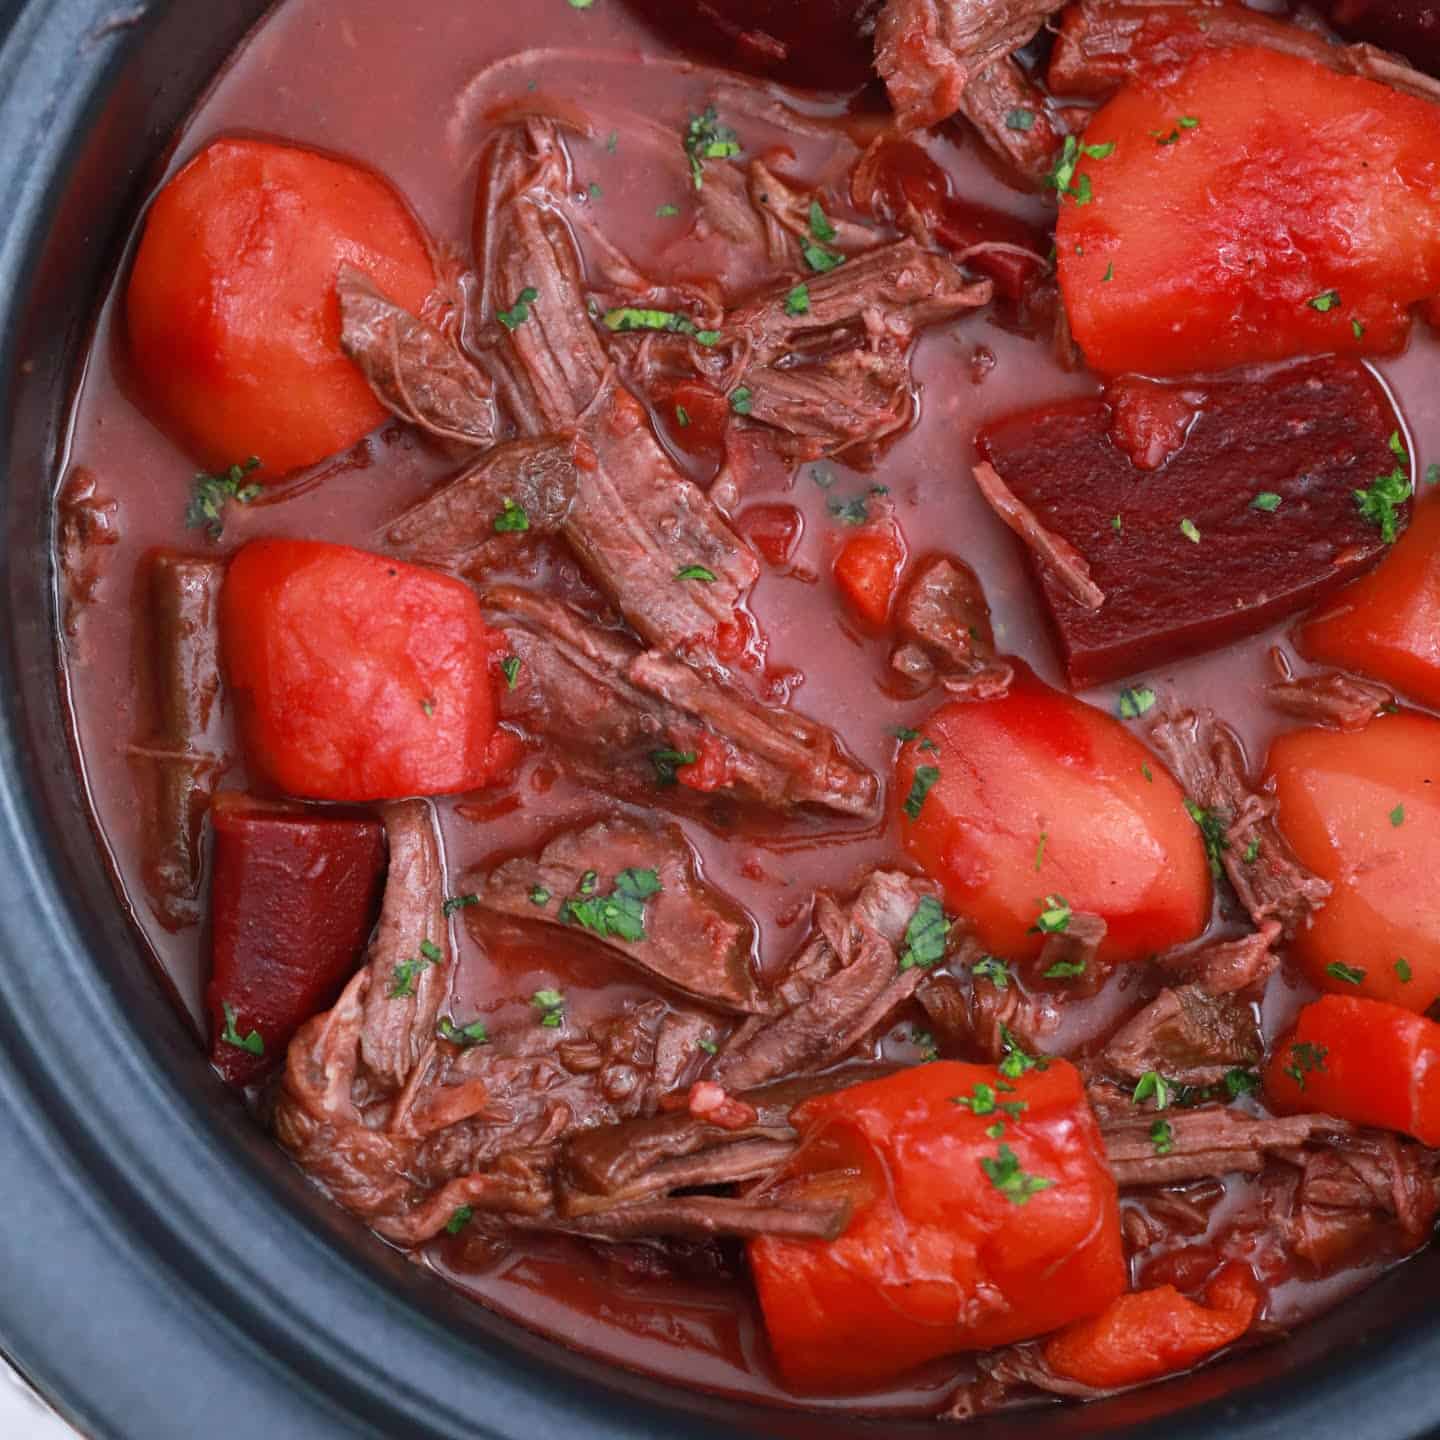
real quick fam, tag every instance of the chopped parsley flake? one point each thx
(993, 969)
(1397, 816)
(983, 1100)
(926, 1041)
(1020, 119)
(665, 212)
(402, 982)
(1432, 474)
(1241, 1082)
(463, 1035)
(822, 232)
(797, 302)
(539, 895)
(465, 1213)
(707, 139)
(253, 1043)
(1145, 771)
(1212, 829)
(213, 493)
(1266, 500)
(1189, 531)
(925, 936)
(1016, 1062)
(820, 226)
(855, 511)
(1162, 1137)
(1381, 501)
(1135, 701)
(1325, 301)
(510, 669)
(696, 572)
(682, 416)
(519, 313)
(1252, 851)
(1117, 524)
(1357, 329)
(620, 914)
(668, 762)
(512, 520)
(1185, 122)
(905, 732)
(1062, 177)
(1153, 1086)
(458, 902)
(920, 786)
(551, 1005)
(1065, 970)
(708, 1046)
(1054, 917)
(1350, 974)
(740, 400)
(1109, 274)
(428, 706)
(1005, 1174)
(1040, 849)
(1403, 970)
(1305, 1059)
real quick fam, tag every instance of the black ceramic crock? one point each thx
(165, 1274)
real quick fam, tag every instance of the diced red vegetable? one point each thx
(233, 314)
(1360, 1060)
(1263, 485)
(1255, 206)
(1388, 624)
(1149, 1333)
(984, 1213)
(774, 530)
(867, 570)
(1015, 804)
(695, 416)
(293, 897)
(897, 176)
(359, 678)
(1362, 810)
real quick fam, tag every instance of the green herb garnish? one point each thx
(519, 313)
(925, 936)
(213, 493)
(252, 1044)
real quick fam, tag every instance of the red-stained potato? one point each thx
(1388, 623)
(234, 320)
(1363, 810)
(356, 677)
(1258, 206)
(1038, 797)
(867, 570)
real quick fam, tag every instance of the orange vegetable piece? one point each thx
(1363, 811)
(867, 571)
(1149, 1333)
(1360, 1060)
(1117, 839)
(973, 1225)
(356, 677)
(233, 316)
(1387, 624)
(1255, 206)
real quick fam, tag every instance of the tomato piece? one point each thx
(1149, 1333)
(1388, 623)
(956, 1241)
(695, 416)
(1360, 1060)
(1362, 810)
(1299, 214)
(233, 315)
(774, 530)
(293, 897)
(359, 678)
(867, 570)
(1118, 841)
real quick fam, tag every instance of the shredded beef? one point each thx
(1224, 967)
(1344, 701)
(785, 210)
(454, 528)
(1101, 42)
(972, 1020)
(1266, 874)
(694, 937)
(1187, 1036)
(415, 369)
(846, 981)
(929, 51)
(86, 526)
(179, 760)
(944, 627)
(694, 1217)
(616, 709)
(1055, 553)
(1069, 956)
(990, 102)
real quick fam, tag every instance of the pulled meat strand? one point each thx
(992, 98)
(1343, 701)
(1224, 967)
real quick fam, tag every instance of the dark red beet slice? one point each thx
(1311, 434)
(293, 900)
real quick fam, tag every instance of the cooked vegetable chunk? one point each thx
(1388, 624)
(1262, 481)
(983, 1213)
(1362, 810)
(1148, 1333)
(293, 896)
(233, 313)
(359, 678)
(1253, 207)
(1035, 807)
(867, 570)
(1360, 1060)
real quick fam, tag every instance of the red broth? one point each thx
(407, 90)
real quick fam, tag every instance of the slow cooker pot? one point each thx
(164, 1271)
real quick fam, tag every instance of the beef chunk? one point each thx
(1225, 967)
(1265, 872)
(1101, 44)
(846, 981)
(1180, 559)
(1343, 701)
(180, 759)
(686, 932)
(1188, 1036)
(1201, 1143)
(635, 522)
(416, 370)
(945, 632)
(454, 528)
(930, 51)
(981, 1016)
(992, 102)
(87, 526)
(837, 375)
(630, 717)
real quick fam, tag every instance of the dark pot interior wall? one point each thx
(163, 1271)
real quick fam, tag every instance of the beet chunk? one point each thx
(1252, 518)
(293, 901)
